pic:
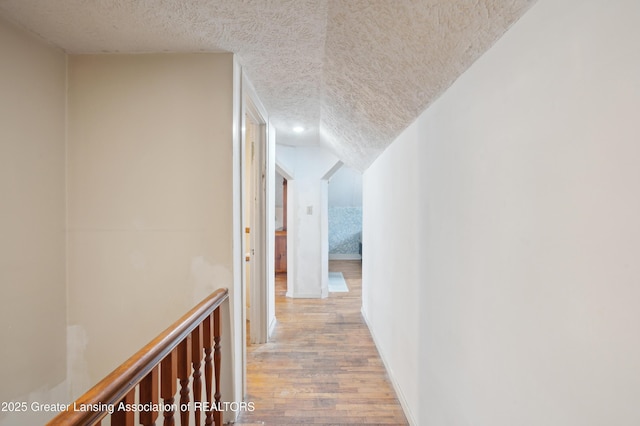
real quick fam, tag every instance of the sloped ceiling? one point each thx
(353, 73)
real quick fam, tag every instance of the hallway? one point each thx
(321, 365)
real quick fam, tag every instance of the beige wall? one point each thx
(140, 166)
(32, 218)
(150, 161)
(502, 233)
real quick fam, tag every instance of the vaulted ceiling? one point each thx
(352, 73)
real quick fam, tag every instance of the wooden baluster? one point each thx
(124, 417)
(149, 395)
(196, 355)
(207, 342)
(168, 379)
(217, 358)
(184, 371)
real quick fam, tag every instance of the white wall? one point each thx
(286, 158)
(501, 231)
(307, 233)
(32, 222)
(345, 188)
(304, 238)
(151, 207)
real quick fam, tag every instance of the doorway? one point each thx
(281, 225)
(253, 223)
(256, 247)
(249, 212)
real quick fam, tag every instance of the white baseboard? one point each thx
(403, 401)
(272, 327)
(304, 295)
(344, 256)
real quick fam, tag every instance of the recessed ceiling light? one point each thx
(298, 129)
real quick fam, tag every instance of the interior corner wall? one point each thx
(150, 200)
(501, 232)
(32, 223)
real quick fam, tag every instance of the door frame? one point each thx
(259, 226)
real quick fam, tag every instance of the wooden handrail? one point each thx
(163, 351)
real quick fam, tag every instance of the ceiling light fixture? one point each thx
(298, 129)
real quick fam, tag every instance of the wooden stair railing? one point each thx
(154, 371)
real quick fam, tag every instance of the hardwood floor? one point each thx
(321, 366)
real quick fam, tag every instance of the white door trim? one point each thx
(262, 252)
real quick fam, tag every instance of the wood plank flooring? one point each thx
(321, 366)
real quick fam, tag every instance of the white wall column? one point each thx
(307, 220)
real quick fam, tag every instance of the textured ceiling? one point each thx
(353, 73)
